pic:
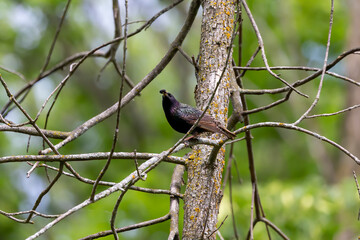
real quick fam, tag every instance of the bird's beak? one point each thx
(163, 92)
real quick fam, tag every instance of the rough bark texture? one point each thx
(351, 132)
(202, 196)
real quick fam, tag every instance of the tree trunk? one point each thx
(203, 195)
(351, 132)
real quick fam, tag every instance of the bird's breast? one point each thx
(177, 121)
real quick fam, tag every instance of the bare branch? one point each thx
(316, 100)
(32, 131)
(13, 72)
(89, 181)
(118, 111)
(10, 215)
(128, 228)
(88, 157)
(45, 191)
(116, 207)
(300, 68)
(253, 187)
(250, 153)
(302, 81)
(261, 44)
(335, 113)
(141, 85)
(132, 177)
(126, 78)
(217, 229)
(176, 182)
(11, 97)
(358, 189)
(273, 226)
(84, 55)
(293, 127)
(357, 183)
(55, 38)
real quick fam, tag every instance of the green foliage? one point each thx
(308, 209)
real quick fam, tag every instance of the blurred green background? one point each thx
(300, 189)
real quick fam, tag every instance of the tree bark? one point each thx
(351, 129)
(203, 195)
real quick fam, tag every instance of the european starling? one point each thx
(181, 117)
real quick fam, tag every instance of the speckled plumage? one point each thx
(181, 117)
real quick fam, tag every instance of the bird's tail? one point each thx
(227, 133)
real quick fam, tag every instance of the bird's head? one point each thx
(166, 94)
(168, 97)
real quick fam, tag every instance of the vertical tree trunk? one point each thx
(351, 132)
(203, 195)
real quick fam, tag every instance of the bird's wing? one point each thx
(207, 123)
(192, 114)
(189, 113)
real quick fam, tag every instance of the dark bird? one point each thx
(182, 117)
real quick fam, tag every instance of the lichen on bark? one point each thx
(203, 194)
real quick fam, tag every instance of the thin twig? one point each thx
(249, 148)
(84, 55)
(147, 25)
(114, 212)
(13, 72)
(253, 187)
(117, 33)
(128, 228)
(217, 229)
(293, 127)
(10, 215)
(34, 166)
(358, 189)
(305, 80)
(261, 43)
(300, 68)
(334, 113)
(249, 62)
(142, 176)
(11, 97)
(103, 183)
(126, 77)
(230, 193)
(140, 86)
(117, 29)
(357, 183)
(273, 104)
(87, 157)
(316, 100)
(47, 60)
(274, 227)
(118, 115)
(48, 57)
(145, 167)
(186, 56)
(102, 69)
(207, 212)
(45, 191)
(32, 131)
(59, 66)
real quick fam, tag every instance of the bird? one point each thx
(182, 117)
